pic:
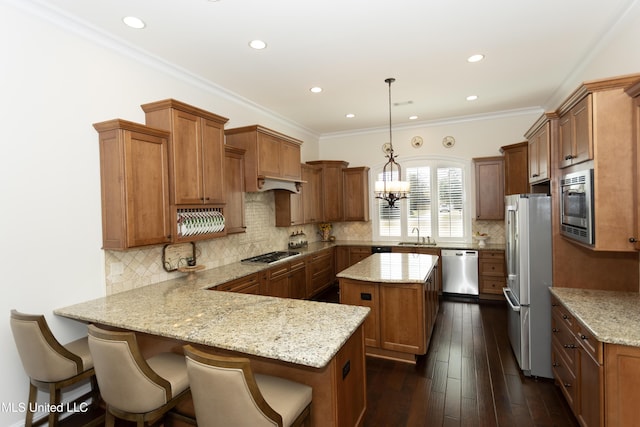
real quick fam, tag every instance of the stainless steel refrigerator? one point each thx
(529, 276)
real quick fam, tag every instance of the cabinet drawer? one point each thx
(564, 374)
(495, 255)
(564, 339)
(492, 285)
(591, 345)
(562, 314)
(495, 268)
(279, 270)
(248, 284)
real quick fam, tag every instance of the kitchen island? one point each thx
(319, 344)
(402, 292)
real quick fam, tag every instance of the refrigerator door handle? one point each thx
(507, 294)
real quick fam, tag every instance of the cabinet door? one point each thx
(298, 280)
(289, 209)
(290, 160)
(516, 159)
(489, 188)
(186, 159)
(278, 281)
(402, 318)
(565, 140)
(212, 162)
(332, 193)
(356, 194)
(134, 185)
(234, 188)
(583, 131)
(364, 294)
(311, 194)
(622, 382)
(269, 155)
(591, 411)
(539, 155)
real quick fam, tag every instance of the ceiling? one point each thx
(349, 47)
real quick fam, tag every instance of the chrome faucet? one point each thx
(418, 230)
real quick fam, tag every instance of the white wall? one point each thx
(56, 82)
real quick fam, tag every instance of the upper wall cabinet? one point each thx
(575, 136)
(489, 187)
(539, 149)
(269, 155)
(332, 189)
(234, 189)
(356, 193)
(634, 92)
(516, 157)
(134, 185)
(196, 151)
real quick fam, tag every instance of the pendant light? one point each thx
(391, 188)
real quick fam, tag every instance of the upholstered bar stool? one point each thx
(50, 365)
(135, 389)
(227, 393)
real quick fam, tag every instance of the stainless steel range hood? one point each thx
(266, 183)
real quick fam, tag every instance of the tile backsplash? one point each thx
(135, 268)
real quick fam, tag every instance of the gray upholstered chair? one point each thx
(134, 388)
(50, 365)
(227, 393)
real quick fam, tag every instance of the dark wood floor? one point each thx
(469, 377)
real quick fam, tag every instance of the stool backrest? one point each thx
(43, 357)
(225, 392)
(125, 379)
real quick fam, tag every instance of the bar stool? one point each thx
(135, 389)
(226, 392)
(51, 365)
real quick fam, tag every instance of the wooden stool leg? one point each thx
(33, 395)
(109, 419)
(55, 396)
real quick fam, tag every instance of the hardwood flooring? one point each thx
(469, 377)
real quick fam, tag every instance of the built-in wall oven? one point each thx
(576, 206)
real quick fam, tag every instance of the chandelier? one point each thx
(391, 188)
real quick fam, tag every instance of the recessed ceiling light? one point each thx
(350, 116)
(413, 117)
(257, 44)
(316, 89)
(475, 58)
(133, 22)
(472, 97)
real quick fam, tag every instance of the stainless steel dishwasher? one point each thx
(459, 272)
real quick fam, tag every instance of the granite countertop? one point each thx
(612, 317)
(301, 332)
(392, 268)
(471, 246)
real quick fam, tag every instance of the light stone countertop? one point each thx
(392, 268)
(301, 332)
(612, 317)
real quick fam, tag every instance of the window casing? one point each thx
(437, 206)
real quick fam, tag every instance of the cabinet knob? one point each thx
(565, 317)
(556, 365)
(568, 157)
(632, 240)
(584, 337)
(567, 385)
(569, 346)
(535, 175)
(555, 330)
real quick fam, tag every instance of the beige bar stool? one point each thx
(227, 393)
(135, 389)
(51, 365)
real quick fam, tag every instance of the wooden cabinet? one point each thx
(289, 208)
(577, 365)
(491, 271)
(622, 382)
(320, 271)
(134, 185)
(402, 316)
(489, 172)
(311, 194)
(246, 285)
(269, 154)
(196, 151)
(355, 183)
(634, 92)
(428, 251)
(234, 189)
(539, 149)
(516, 160)
(286, 280)
(346, 256)
(575, 138)
(332, 189)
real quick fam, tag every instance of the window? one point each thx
(436, 206)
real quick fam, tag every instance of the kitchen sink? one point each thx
(417, 244)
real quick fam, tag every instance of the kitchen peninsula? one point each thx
(319, 344)
(402, 292)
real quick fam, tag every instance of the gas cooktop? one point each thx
(270, 257)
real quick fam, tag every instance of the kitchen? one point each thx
(55, 237)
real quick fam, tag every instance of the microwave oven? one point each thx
(576, 206)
